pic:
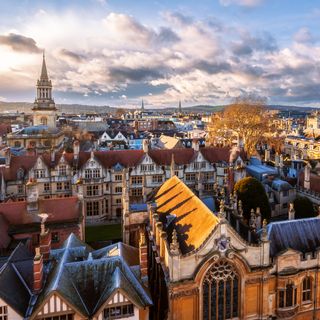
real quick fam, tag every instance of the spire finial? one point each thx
(44, 73)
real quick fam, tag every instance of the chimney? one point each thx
(76, 149)
(195, 145)
(145, 145)
(291, 214)
(45, 241)
(143, 255)
(52, 156)
(266, 155)
(306, 182)
(37, 271)
(7, 157)
(32, 195)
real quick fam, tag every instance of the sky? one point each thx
(118, 52)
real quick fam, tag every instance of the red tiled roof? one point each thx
(59, 210)
(164, 156)
(219, 154)
(17, 162)
(47, 158)
(4, 128)
(314, 181)
(127, 158)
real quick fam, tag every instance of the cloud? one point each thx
(178, 19)
(19, 43)
(75, 57)
(304, 36)
(134, 74)
(244, 3)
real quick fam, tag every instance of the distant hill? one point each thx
(79, 108)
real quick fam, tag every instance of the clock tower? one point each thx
(44, 108)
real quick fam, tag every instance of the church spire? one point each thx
(142, 105)
(44, 73)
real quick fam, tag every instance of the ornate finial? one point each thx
(222, 212)
(291, 212)
(240, 209)
(174, 245)
(252, 222)
(142, 241)
(264, 233)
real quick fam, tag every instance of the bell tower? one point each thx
(44, 108)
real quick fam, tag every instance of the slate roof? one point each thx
(191, 218)
(16, 277)
(301, 235)
(87, 278)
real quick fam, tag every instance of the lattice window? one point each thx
(287, 296)
(4, 313)
(220, 297)
(306, 289)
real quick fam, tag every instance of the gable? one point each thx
(54, 304)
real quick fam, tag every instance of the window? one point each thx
(92, 173)
(93, 190)
(208, 176)
(59, 317)
(136, 180)
(117, 312)
(55, 237)
(40, 173)
(136, 192)
(118, 189)
(118, 201)
(67, 185)
(4, 313)
(190, 176)
(157, 179)
(92, 208)
(208, 186)
(118, 212)
(17, 144)
(106, 206)
(147, 167)
(306, 289)
(288, 296)
(59, 186)
(62, 170)
(46, 187)
(199, 165)
(20, 188)
(220, 292)
(118, 177)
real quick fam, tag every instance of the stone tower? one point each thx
(44, 108)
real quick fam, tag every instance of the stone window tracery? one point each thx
(220, 292)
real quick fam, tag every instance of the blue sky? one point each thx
(117, 52)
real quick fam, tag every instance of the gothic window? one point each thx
(44, 121)
(306, 289)
(287, 296)
(220, 297)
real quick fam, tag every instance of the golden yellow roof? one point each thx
(194, 221)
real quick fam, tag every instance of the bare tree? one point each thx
(247, 120)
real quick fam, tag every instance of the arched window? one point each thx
(220, 292)
(288, 296)
(44, 121)
(306, 289)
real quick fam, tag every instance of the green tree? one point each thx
(303, 208)
(253, 195)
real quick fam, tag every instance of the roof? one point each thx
(167, 142)
(222, 154)
(300, 235)
(164, 157)
(16, 278)
(87, 278)
(314, 181)
(193, 220)
(64, 210)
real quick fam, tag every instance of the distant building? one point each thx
(43, 135)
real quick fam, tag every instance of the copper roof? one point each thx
(193, 220)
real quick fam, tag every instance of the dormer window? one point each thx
(4, 313)
(62, 170)
(117, 312)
